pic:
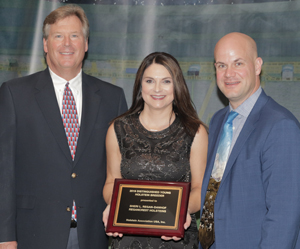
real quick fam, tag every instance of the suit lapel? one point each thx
(46, 99)
(245, 133)
(215, 140)
(90, 108)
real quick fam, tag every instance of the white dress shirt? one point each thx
(75, 85)
(243, 110)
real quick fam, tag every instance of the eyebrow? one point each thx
(239, 59)
(236, 60)
(153, 78)
(62, 31)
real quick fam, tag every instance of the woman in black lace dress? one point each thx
(159, 138)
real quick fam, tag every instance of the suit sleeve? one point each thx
(122, 103)
(7, 165)
(281, 179)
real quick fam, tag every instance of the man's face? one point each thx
(237, 69)
(65, 47)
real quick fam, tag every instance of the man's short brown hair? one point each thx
(63, 12)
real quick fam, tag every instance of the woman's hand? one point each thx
(113, 171)
(9, 245)
(105, 219)
(186, 226)
(187, 221)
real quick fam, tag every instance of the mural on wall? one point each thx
(123, 32)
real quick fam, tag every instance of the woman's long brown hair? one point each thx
(183, 105)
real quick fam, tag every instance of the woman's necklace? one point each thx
(151, 129)
(143, 123)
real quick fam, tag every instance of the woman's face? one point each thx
(157, 88)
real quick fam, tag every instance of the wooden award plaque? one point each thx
(150, 208)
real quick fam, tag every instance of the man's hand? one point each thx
(9, 245)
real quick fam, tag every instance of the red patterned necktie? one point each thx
(70, 119)
(71, 125)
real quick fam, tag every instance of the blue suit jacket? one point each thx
(258, 202)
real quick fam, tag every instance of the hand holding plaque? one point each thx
(105, 220)
(152, 208)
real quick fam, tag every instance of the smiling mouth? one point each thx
(158, 97)
(67, 53)
(231, 83)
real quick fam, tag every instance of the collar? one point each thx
(59, 82)
(246, 107)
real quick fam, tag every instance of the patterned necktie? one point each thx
(71, 125)
(70, 119)
(223, 148)
(206, 228)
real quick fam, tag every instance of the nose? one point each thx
(229, 72)
(66, 41)
(157, 87)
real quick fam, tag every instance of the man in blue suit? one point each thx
(255, 197)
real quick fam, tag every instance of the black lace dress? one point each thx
(161, 156)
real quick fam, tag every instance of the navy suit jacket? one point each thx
(36, 187)
(258, 202)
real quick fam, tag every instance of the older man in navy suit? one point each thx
(53, 126)
(251, 187)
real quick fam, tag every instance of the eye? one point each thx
(74, 36)
(221, 66)
(149, 81)
(58, 36)
(167, 81)
(238, 64)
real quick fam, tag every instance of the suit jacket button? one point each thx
(68, 209)
(74, 175)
